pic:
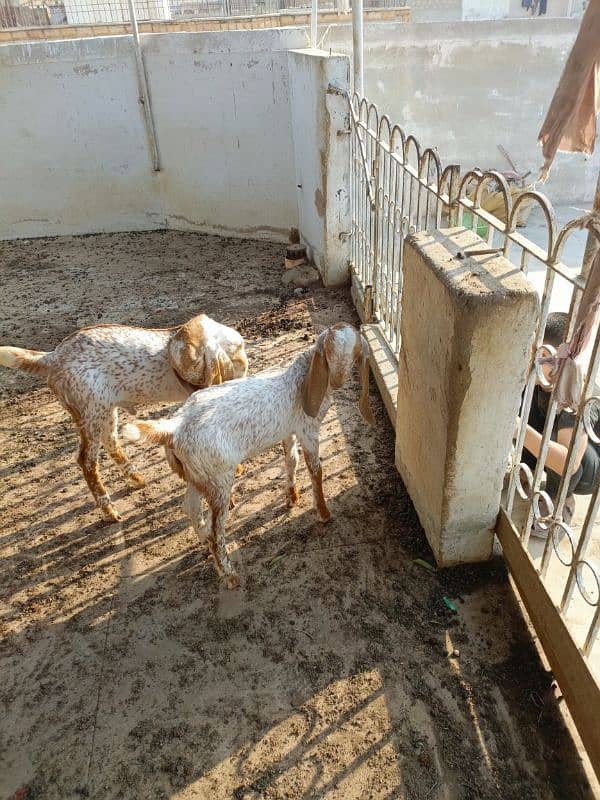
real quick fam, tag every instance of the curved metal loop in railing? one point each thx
(543, 351)
(411, 140)
(587, 222)
(472, 176)
(548, 211)
(385, 120)
(397, 130)
(587, 418)
(591, 599)
(448, 176)
(559, 532)
(428, 156)
(373, 110)
(363, 111)
(493, 175)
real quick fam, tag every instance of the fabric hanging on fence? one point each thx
(570, 124)
(572, 359)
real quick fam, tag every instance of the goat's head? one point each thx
(198, 358)
(336, 352)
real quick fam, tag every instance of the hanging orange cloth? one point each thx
(570, 124)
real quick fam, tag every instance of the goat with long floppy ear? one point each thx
(336, 351)
(317, 381)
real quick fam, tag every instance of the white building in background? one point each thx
(86, 12)
(454, 10)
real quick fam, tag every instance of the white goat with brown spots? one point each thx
(98, 369)
(219, 428)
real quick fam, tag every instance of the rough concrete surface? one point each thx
(460, 376)
(336, 671)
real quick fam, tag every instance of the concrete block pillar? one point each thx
(320, 120)
(467, 330)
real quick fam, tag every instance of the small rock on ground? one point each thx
(301, 277)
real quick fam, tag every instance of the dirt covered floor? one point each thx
(336, 671)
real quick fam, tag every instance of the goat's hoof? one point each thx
(239, 470)
(325, 517)
(292, 496)
(232, 581)
(136, 479)
(110, 513)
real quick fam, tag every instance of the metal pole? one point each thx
(357, 46)
(144, 95)
(314, 16)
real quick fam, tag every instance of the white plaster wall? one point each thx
(485, 9)
(75, 155)
(74, 143)
(224, 129)
(466, 87)
(318, 81)
(305, 81)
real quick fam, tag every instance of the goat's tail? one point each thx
(34, 361)
(158, 431)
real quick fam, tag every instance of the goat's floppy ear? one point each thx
(316, 382)
(363, 403)
(218, 366)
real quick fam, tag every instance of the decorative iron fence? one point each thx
(398, 187)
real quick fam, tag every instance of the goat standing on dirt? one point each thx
(98, 369)
(217, 429)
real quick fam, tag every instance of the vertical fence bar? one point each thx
(314, 18)
(357, 46)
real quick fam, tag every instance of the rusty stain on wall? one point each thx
(320, 202)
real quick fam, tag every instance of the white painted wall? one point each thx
(485, 9)
(466, 87)
(221, 107)
(79, 160)
(78, 155)
(322, 172)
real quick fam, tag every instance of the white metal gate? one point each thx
(398, 187)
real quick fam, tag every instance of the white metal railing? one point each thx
(398, 187)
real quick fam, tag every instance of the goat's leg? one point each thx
(193, 505)
(310, 449)
(93, 425)
(239, 470)
(118, 455)
(218, 500)
(290, 448)
(88, 461)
